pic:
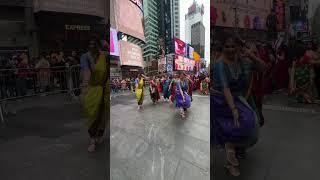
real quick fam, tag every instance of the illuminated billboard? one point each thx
(114, 46)
(189, 51)
(183, 64)
(130, 54)
(129, 18)
(179, 46)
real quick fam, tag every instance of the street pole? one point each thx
(235, 8)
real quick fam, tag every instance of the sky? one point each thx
(184, 5)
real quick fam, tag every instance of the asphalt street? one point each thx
(46, 139)
(288, 147)
(156, 143)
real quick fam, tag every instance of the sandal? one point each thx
(231, 158)
(233, 171)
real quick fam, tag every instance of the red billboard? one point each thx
(183, 64)
(179, 46)
(129, 18)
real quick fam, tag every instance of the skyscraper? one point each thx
(198, 38)
(165, 25)
(194, 15)
(175, 17)
(151, 29)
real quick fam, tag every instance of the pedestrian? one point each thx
(204, 86)
(140, 89)
(166, 90)
(23, 73)
(190, 86)
(281, 70)
(43, 74)
(260, 80)
(301, 72)
(317, 75)
(94, 92)
(183, 100)
(159, 87)
(172, 88)
(153, 88)
(123, 85)
(234, 123)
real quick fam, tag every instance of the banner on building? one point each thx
(169, 59)
(129, 18)
(249, 14)
(130, 54)
(189, 51)
(196, 56)
(162, 65)
(183, 64)
(114, 46)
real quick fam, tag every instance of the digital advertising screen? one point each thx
(179, 46)
(114, 46)
(129, 17)
(183, 64)
(130, 54)
(189, 52)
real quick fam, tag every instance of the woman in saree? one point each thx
(140, 89)
(281, 70)
(172, 88)
(301, 73)
(95, 94)
(166, 90)
(258, 78)
(205, 86)
(234, 122)
(183, 100)
(154, 92)
(190, 86)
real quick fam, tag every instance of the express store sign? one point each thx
(139, 3)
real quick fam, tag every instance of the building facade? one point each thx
(151, 30)
(45, 25)
(17, 27)
(165, 25)
(194, 15)
(175, 17)
(198, 38)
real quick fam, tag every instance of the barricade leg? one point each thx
(1, 114)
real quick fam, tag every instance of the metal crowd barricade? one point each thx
(28, 82)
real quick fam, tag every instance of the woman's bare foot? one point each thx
(92, 146)
(234, 171)
(231, 155)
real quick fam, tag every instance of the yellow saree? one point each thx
(139, 91)
(96, 100)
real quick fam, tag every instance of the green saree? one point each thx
(96, 100)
